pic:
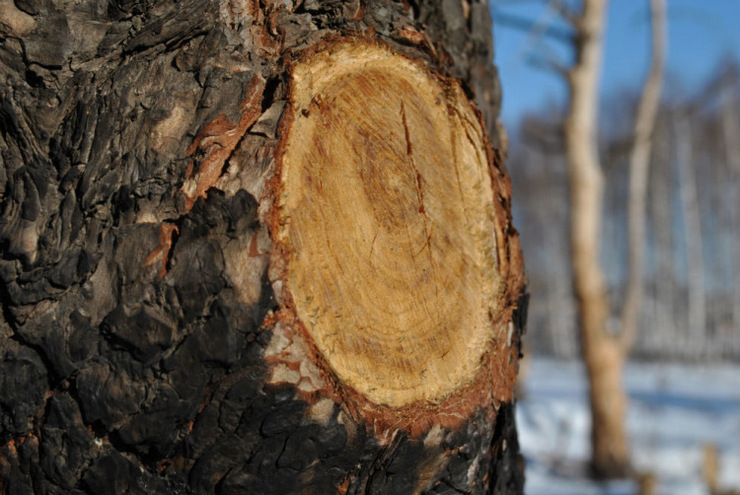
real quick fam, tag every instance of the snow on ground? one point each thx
(675, 410)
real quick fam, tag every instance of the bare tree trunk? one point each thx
(731, 139)
(602, 354)
(647, 111)
(693, 239)
(665, 284)
(237, 240)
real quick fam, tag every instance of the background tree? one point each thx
(730, 105)
(603, 353)
(538, 172)
(639, 160)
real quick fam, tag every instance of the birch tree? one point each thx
(639, 163)
(604, 354)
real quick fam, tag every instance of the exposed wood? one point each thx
(389, 251)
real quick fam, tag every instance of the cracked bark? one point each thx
(141, 335)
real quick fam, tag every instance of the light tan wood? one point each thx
(647, 112)
(386, 226)
(601, 351)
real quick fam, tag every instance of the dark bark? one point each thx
(130, 359)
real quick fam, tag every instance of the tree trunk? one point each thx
(647, 111)
(663, 330)
(255, 247)
(730, 133)
(697, 314)
(602, 353)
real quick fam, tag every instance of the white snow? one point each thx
(675, 410)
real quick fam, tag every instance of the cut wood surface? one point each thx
(387, 229)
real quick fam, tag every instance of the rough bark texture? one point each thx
(137, 139)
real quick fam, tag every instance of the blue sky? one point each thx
(701, 34)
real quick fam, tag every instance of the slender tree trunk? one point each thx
(665, 284)
(697, 318)
(647, 111)
(254, 247)
(731, 139)
(602, 354)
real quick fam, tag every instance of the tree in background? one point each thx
(541, 207)
(639, 162)
(730, 104)
(603, 353)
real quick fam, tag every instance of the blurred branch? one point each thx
(730, 71)
(566, 12)
(549, 64)
(528, 25)
(536, 30)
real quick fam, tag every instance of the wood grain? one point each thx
(387, 224)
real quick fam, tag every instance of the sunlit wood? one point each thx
(387, 223)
